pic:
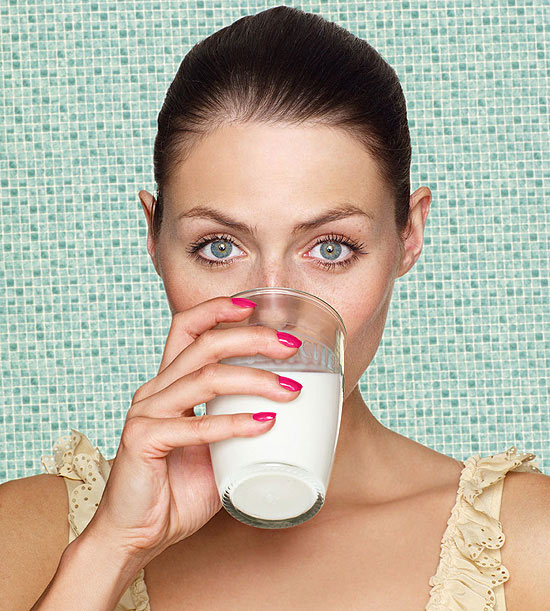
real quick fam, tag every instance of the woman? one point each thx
(282, 159)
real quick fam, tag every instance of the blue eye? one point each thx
(221, 247)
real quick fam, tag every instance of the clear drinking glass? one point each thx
(279, 479)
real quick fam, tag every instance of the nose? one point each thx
(292, 312)
(274, 274)
(275, 309)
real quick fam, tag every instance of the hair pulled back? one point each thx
(285, 66)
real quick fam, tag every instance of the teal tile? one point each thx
(463, 363)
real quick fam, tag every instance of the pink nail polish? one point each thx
(288, 340)
(243, 303)
(289, 384)
(264, 416)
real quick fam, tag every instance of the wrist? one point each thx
(98, 573)
(104, 556)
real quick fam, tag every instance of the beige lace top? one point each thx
(470, 575)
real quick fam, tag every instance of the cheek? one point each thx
(183, 290)
(365, 327)
(365, 316)
(363, 303)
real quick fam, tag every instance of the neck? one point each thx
(362, 444)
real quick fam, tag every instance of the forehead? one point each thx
(277, 165)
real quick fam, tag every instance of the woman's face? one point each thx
(267, 181)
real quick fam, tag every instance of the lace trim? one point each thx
(139, 592)
(75, 458)
(470, 568)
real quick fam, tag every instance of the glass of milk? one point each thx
(279, 479)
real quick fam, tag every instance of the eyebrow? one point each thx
(332, 214)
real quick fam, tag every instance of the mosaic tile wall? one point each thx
(464, 360)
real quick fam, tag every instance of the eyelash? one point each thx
(351, 244)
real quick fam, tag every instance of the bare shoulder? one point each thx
(525, 518)
(34, 532)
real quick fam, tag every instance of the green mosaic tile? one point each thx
(463, 363)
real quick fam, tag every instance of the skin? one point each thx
(273, 177)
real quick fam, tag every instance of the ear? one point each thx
(413, 234)
(148, 203)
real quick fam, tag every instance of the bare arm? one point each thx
(34, 531)
(92, 574)
(36, 560)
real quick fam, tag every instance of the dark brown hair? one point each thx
(285, 66)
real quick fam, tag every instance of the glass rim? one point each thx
(313, 298)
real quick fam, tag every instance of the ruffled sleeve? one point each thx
(86, 471)
(470, 569)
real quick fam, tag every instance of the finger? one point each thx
(186, 326)
(157, 437)
(215, 344)
(206, 383)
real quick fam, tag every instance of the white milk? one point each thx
(303, 437)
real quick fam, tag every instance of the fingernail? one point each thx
(289, 384)
(243, 303)
(263, 416)
(288, 340)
